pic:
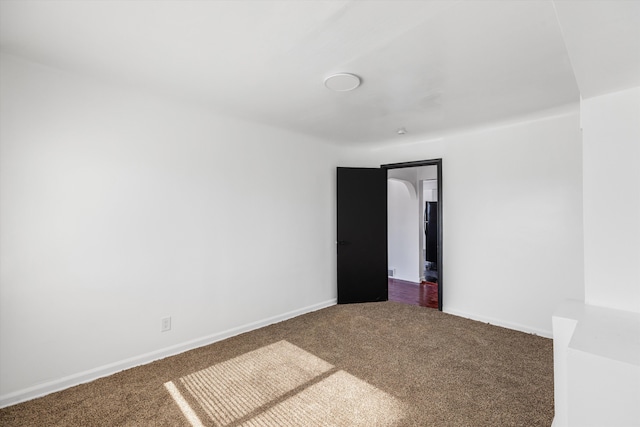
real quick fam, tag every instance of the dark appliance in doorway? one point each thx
(431, 241)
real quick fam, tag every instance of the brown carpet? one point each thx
(377, 364)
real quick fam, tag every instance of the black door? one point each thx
(362, 235)
(431, 232)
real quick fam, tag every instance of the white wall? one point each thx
(119, 209)
(403, 231)
(430, 190)
(510, 258)
(426, 173)
(611, 137)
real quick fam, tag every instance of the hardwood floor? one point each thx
(424, 294)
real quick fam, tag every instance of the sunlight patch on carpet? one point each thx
(186, 409)
(281, 384)
(232, 389)
(338, 400)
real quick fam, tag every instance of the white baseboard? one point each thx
(112, 368)
(502, 323)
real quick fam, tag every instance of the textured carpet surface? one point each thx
(377, 364)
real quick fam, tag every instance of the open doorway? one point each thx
(415, 233)
(429, 231)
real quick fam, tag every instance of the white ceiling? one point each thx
(428, 66)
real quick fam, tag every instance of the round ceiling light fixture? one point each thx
(342, 82)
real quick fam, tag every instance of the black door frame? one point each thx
(438, 163)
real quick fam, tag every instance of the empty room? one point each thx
(201, 208)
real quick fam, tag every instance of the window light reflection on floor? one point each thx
(186, 409)
(281, 384)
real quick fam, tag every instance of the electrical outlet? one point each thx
(166, 324)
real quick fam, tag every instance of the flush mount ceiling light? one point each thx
(401, 131)
(342, 82)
